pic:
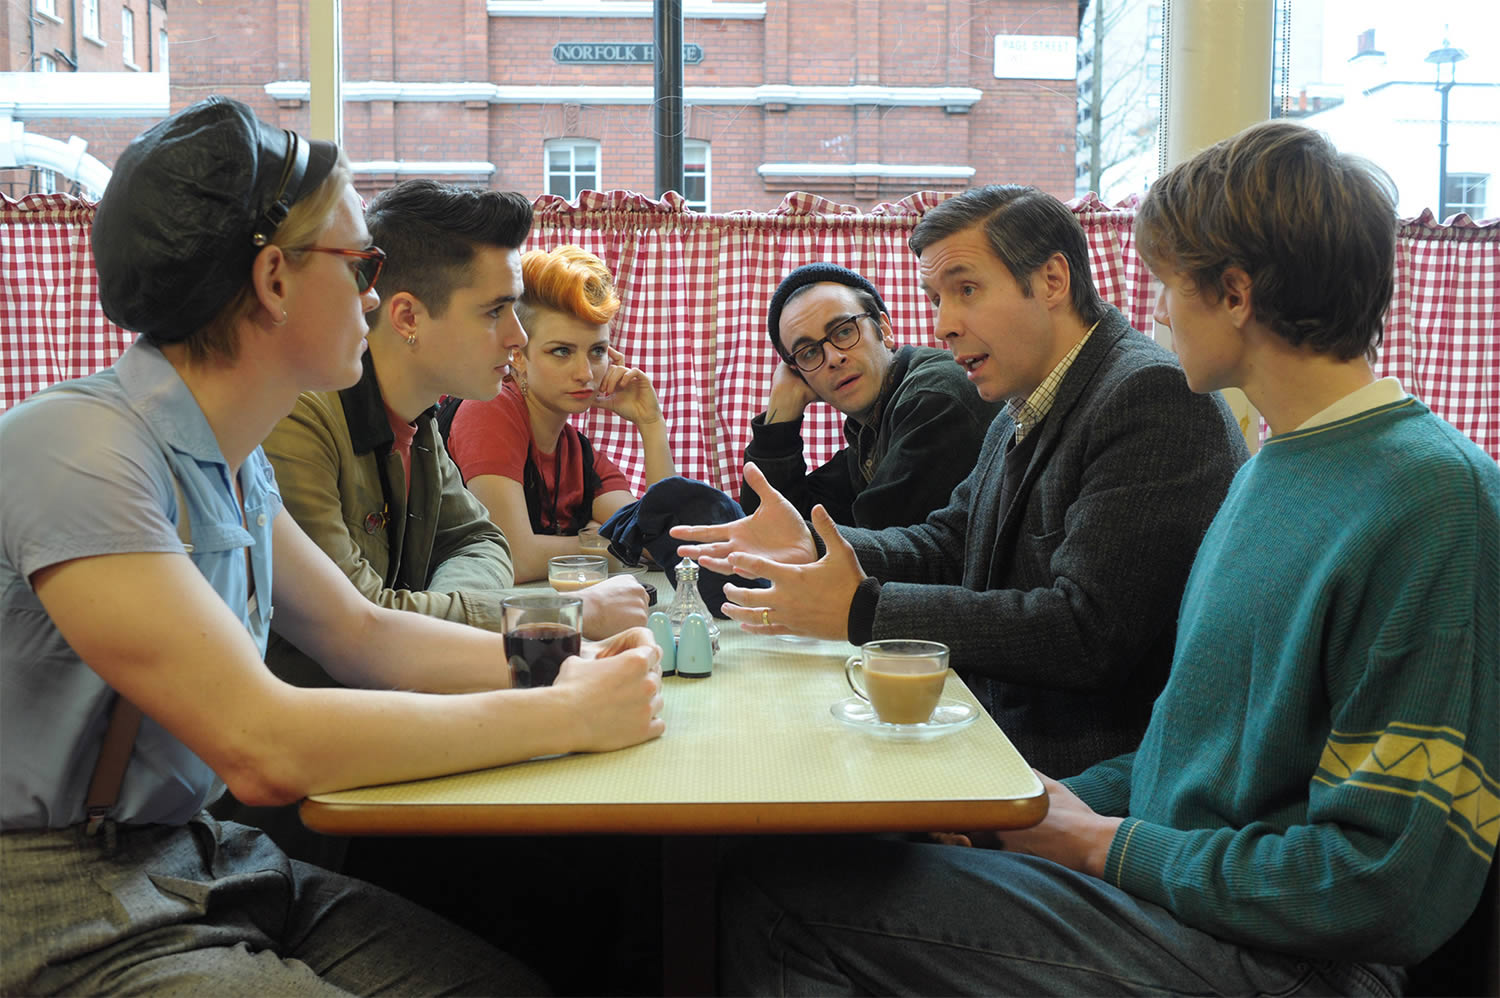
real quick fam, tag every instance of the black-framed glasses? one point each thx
(367, 270)
(843, 336)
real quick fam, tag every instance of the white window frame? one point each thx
(572, 146)
(1471, 181)
(127, 36)
(45, 63)
(707, 174)
(91, 19)
(48, 8)
(162, 48)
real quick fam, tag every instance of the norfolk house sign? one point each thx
(582, 53)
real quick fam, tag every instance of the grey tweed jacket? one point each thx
(1060, 603)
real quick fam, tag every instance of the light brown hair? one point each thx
(1315, 229)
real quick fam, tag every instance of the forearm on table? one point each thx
(399, 650)
(437, 735)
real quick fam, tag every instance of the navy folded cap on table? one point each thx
(646, 524)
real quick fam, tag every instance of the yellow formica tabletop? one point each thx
(751, 749)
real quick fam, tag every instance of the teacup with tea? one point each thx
(902, 678)
(569, 573)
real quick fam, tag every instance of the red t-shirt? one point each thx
(405, 433)
(492, 438)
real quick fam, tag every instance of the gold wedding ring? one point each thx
(765, 618)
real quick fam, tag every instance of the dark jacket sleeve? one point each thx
(776, 450)
(1098, 575)
(934, 442)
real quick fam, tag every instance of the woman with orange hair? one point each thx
(518, 452)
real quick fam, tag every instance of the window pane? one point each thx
(585, 157)
(559, 159)
(1378, 77)
(1119, 97)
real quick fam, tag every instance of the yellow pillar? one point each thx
(1218, 65)
(326, 70)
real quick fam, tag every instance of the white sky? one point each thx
(1406, 30)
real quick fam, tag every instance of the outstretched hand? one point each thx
(808, 599)
(775, 531)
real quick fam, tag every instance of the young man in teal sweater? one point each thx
(1314, 804)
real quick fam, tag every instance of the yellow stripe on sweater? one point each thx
(1423, 761)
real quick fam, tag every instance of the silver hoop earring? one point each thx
(411, 340)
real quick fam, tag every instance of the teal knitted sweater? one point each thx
(1319, 775)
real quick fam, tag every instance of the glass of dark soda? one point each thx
(540, 631)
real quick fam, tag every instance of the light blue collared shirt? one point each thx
(88, 470)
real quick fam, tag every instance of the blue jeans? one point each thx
(210, 908)
(843, 916)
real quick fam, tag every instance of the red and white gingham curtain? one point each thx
(51, 326)
(696, 290)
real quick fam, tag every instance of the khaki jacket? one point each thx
(437, 553)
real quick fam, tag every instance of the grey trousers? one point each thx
(211, 908)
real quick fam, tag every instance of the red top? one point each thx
(492, 438)
(404, 433)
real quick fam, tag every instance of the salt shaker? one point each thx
(695, 652)
(661, 631)
(689, 601)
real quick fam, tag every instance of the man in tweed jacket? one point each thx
(1055, 572)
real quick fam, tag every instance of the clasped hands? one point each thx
(1072, 834)
(808, 595)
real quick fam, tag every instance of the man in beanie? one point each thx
(832, 332)
(1054, 573)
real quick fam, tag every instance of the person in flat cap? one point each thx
(913, 423)
(1054, 572)
(139, 526)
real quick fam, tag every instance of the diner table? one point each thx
(753, 749)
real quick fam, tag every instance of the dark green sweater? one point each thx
(1319, 775)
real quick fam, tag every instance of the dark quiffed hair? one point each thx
(1025, 226)
(431, 231)
(1314, 228)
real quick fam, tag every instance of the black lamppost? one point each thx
(1438, 57)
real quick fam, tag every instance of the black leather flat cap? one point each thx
(191, 201)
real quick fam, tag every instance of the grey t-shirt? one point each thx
(88, 471)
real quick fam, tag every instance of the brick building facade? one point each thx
(861, 100)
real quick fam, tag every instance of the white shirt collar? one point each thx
(1371, 396)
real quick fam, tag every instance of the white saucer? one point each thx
(950, 716)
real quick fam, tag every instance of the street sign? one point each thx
(610, 53)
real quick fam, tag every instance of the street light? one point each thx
(1438, 57)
